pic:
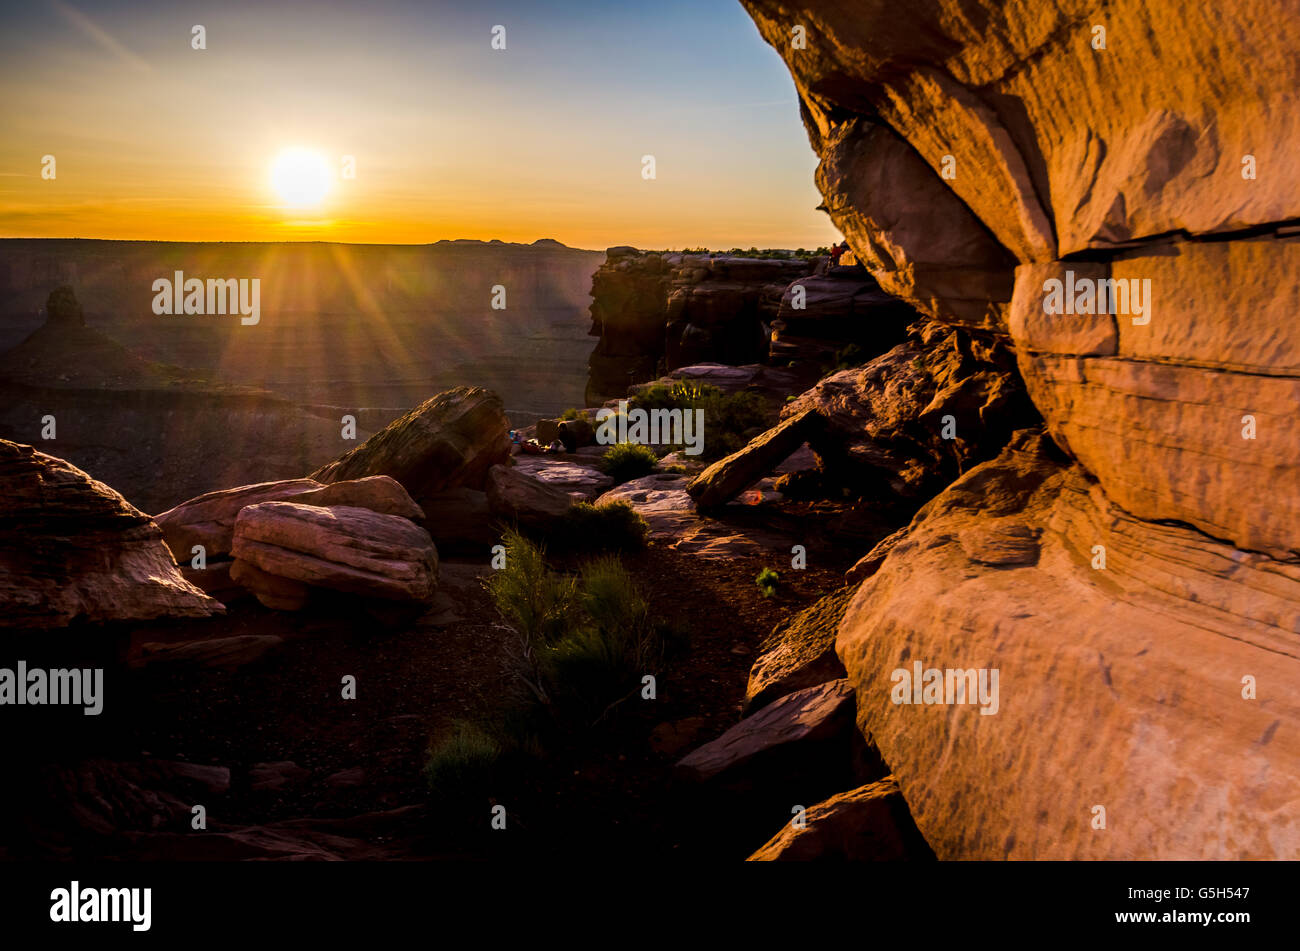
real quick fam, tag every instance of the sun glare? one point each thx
(301, 178)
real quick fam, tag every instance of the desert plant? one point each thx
(571, 413)
(599, 662)
(767, 580)
(463, 763)
(627, 461)
(731, 419)
(613, 526)
(539, 603)
(846, 358)
(582, 645)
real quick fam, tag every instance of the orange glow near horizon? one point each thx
(423, 131)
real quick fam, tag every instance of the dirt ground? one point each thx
(606, 790)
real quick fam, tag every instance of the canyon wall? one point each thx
(1136, 580)
(656, 311)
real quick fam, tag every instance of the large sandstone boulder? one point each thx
(342, 548)
(209, 520)
(72, 549)
(974, 154)
(446, 442)
(515, 497)
(958, 139)
(1123, 650)
(1188, 416)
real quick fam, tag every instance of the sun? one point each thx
(301, 178)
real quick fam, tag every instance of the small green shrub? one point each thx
(731, 420)
(462, 765)
(571, 413)
(583, 647)
(538, 602)
(767, 580)
(849, 357)
(627, 461)
(613, 526)
(600, 661)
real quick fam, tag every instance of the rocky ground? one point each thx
(260, 736)
(243, 713)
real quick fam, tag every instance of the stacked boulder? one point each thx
(831, 317)
(368, 526)
(280, 540)
(357, 527)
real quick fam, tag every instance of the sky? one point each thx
(448, 137)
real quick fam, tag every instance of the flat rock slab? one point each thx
(867, 824)
(273, 776)
(772, 382)
(379, 493)
(353, 550)
(804, 717)
(574, 478)
(222, 652)
(728, 477)
(799, 653)
(662, 500)
(209, 519)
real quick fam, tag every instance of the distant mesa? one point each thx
(63, 309)
(64, 352)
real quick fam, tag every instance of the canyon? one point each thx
(357, 330)
(1092, 515)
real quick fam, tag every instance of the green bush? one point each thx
(731, 420)
(767, 580)
(462, 765)
(627, 461)
(601, 644)
(613, 526)
(538, 602)
(571, 413)
(600, 661)
(849, 357)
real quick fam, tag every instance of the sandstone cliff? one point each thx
(658, 311)
(1138, 583)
